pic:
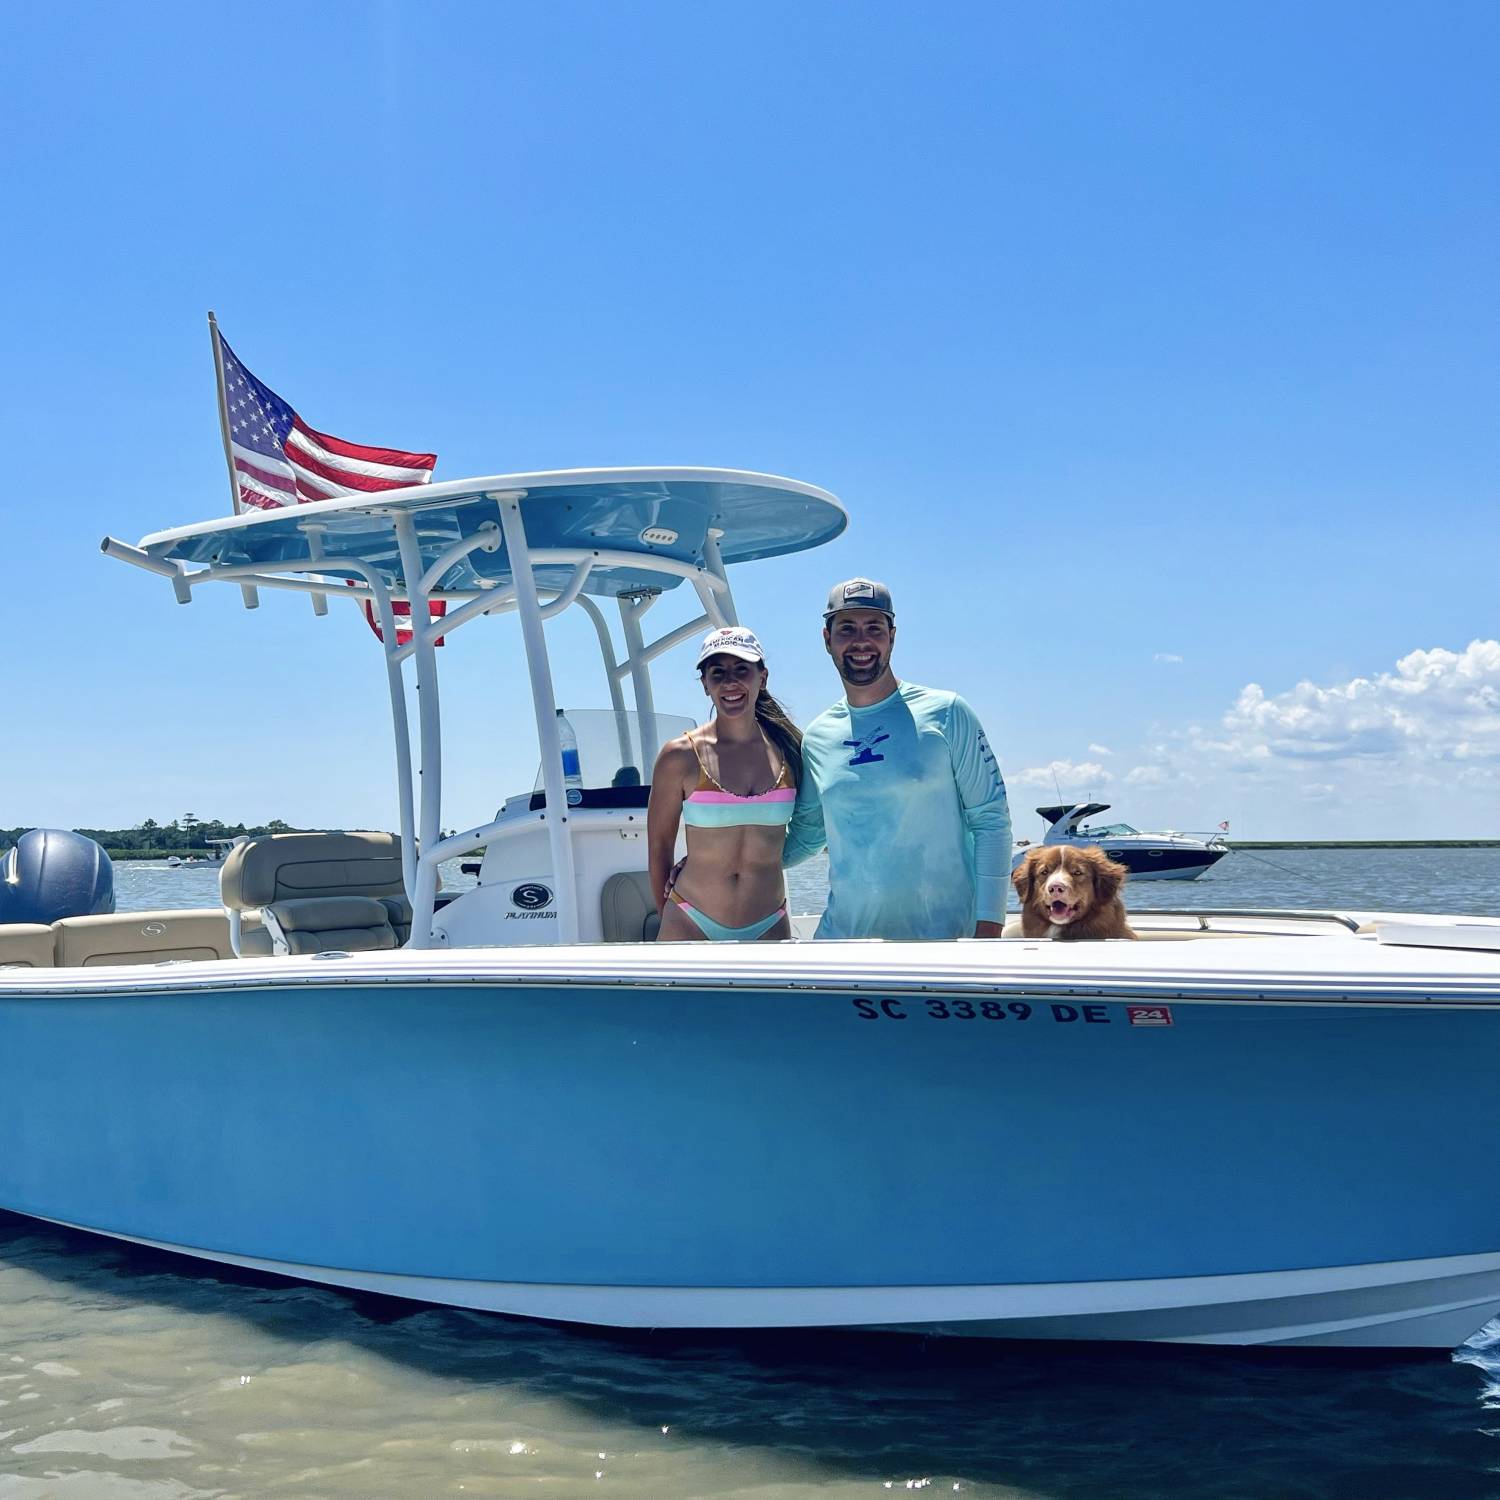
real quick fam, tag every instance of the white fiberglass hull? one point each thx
(1413, 1304)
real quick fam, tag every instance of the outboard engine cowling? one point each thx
(54, 873)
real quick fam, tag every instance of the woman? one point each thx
(734, 783)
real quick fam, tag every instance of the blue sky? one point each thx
(1152, 349)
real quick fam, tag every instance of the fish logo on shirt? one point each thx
(864, 748)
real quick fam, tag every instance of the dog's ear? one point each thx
(1024, 876)
(1109, 876)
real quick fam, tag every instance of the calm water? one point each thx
(1446, 880)
(127, 1375)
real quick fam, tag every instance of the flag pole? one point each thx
(234, 484)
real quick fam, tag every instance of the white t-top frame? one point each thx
(423, 848)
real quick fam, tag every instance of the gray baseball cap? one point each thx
(858, 593)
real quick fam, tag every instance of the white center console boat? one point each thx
(1252, 1128)
(1148, 856)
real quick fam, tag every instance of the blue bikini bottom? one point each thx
(717, 932)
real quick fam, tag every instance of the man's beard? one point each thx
(860, 676)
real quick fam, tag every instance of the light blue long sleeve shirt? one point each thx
(909, 801)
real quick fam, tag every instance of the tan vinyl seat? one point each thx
(279, 871)
(141, 937)
(334, 924)
(255, 941)
(399, 910)
(26, 945)
(627, 912)
(290, 866)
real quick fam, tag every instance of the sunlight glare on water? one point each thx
(129, 1375)
(124, 1378)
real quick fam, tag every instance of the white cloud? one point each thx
(1408, 749)
(1437, 705)
(1100, 750)
(1169, 656)
(1064, 773)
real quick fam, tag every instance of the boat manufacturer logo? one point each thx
(154, 929)
(532, 896)
(1149, 1015)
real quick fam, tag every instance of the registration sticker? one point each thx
(1149, 1015)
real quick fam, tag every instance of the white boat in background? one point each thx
(1148, 856)
(1249, 1128)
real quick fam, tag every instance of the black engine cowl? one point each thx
(54, 873)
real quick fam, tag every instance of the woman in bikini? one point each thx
(733, 782)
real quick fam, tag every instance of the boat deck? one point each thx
(1431, 961)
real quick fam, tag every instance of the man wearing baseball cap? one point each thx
(900, 784)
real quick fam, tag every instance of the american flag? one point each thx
(401, 610)
(279, 460)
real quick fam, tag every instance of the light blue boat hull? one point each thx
(746, 1143)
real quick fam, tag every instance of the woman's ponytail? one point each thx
(781, 732)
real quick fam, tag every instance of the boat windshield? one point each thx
(1107, 831)
(609, 745)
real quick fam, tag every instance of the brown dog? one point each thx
(1070, 892)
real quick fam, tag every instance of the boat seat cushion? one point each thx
(141, 937)
(255, 942)
(26, 945)
(627, 912)
(323, 924)
(291, 866)
(398, 908)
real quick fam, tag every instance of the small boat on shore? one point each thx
(1244, 1129)
(1148, 856)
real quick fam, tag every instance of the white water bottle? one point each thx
(572, 769)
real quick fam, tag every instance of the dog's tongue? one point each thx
(1060, 909)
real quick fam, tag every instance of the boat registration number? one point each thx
(906, 1008)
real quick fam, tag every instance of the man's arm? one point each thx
(986, 811)
(805, 835)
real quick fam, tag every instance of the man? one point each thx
(900, 784)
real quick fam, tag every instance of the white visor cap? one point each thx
(732, 640)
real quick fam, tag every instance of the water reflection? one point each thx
(132, 1375)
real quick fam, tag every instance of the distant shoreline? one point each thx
(1364, 843)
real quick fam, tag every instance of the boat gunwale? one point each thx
(1462, 979)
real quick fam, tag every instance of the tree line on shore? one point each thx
(149, 839)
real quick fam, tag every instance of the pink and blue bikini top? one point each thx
(710, 806)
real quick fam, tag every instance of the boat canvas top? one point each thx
(1074, 812)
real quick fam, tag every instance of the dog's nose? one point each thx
(1057, 886)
